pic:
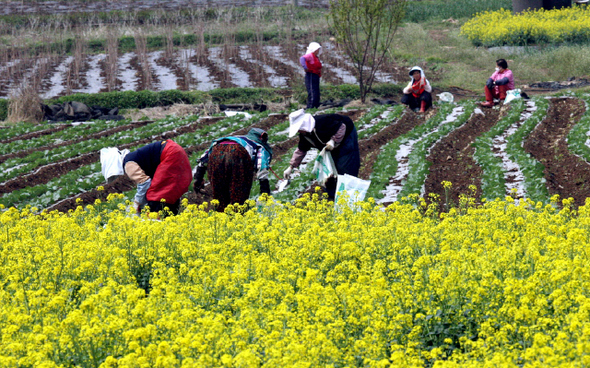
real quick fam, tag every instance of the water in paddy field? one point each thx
(56, 7)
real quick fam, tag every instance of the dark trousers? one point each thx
(312, 83)
(347, 159)
(414, 102)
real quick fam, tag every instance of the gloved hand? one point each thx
(287, 173)
(330, 145)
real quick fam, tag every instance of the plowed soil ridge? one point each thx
(452, 158)
(45, 173)
(97, 135)
(567, 174)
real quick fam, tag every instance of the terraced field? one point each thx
(535, 149)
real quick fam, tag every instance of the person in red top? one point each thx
(417, 94)
(498, 84)
(313, 71)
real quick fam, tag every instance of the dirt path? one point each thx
(452, 158)
(98, 135)
(567, 174)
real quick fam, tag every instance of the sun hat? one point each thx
(314, 46)
(299, 120)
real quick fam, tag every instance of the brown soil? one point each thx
(45, 173)
(567, 174)
(84, 137)
(452, 159)
(369, 147)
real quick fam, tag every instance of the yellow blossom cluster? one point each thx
(497, 28)
(297, 285)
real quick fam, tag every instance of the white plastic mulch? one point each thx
(512, 173)
(402, 156)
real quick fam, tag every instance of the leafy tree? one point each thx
(364, 29)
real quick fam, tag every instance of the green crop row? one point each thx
(493, 182)
(386, 165)
(578, 137)
(534, 178)
(17, 166)
(89, 176)
(74, 132)
(418, 165)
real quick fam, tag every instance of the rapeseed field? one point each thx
(502, 284)
(501, 27)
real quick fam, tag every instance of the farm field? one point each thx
(523, 150)
(470, 250)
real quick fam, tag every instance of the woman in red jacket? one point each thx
(162, 173)
(313, 72)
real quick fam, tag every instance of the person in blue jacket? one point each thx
(230, 163)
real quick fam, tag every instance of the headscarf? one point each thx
(255, 134)
(422, 83)
(299, 120)
(422, 75)
(314, 46)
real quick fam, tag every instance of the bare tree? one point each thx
(364, 30)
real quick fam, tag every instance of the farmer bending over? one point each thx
(417, 94)
(230, 163)
(162, 173)
(498, 84)
(336, 133)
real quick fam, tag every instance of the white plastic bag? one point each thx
(111, 161)
(324, 167)
(446, 97)
(513, 94)
(246, 115)
(355, 188)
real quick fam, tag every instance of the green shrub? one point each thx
(135, 100)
